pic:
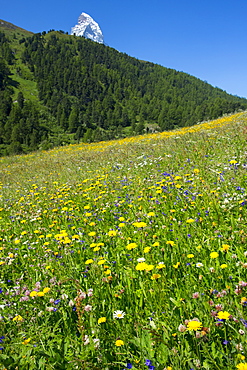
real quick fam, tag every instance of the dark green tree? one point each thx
(20, 99)
(73, 119)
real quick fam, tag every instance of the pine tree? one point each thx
(73, 119)
(20, 99)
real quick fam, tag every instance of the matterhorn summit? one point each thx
(88, 28)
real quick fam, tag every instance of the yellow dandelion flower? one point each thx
(194, 325)
(107, 272)
(243, 300)
(131, 246)
(119, 343)
(26, 341)
(33, 293)
(156, 244)
(223, 315)
(40, 294)
(214, 254)
(101, 320)
(146, 249)
(112, 233)
(101, 262)
(141, 266)
(46, 290)
(225, 247)
(87, 262)
(139, 224)
(170, 242)
(190, 220)
(242, 366)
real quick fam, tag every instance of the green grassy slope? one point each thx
(21, 75)
(127, 254)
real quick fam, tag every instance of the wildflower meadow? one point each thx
(127, 254)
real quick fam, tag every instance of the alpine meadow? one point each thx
(123, 246)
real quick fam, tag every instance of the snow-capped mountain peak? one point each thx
(88, 28)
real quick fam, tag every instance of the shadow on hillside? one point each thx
(13, 83)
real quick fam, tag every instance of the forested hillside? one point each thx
(56, 88)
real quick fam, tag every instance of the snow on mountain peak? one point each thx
(88, 28)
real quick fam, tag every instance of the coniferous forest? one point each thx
(57, 89)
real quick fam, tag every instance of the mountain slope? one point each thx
(111, 88)
(20, 73)
(70, 88)
(10, 29)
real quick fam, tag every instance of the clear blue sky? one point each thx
(205, 38)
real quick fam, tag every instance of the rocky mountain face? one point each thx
(88, 28)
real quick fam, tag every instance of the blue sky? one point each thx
(207, 39)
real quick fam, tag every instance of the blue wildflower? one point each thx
(244, 322)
